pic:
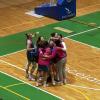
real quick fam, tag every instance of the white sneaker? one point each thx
(40, 78)
(53, 83)
(65, 81)
(37, 84)
(60, 83)
(45, 84)
(31, 79)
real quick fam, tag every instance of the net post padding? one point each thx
(57, 9)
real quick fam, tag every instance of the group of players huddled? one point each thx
(48, 59)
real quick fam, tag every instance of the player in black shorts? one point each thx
(31, 57)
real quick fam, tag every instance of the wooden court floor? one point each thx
(80, 63)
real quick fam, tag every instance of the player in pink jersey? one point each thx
(61, 63)
(43, 63)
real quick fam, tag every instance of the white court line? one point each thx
(68, 38)
(68, 84)
(33, 86)
(36, 20)
(84, 43)
(13, 53)
(83, 32)
(84, 87)
(2, 61)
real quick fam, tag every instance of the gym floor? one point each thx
(83, 52)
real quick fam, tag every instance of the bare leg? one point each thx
(27, 68)
(32, 70)
(52, 74)
(45, 79)
(39, 78)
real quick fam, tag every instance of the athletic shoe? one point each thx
(40, 78)
(65, 81)
(38, 84)
(53, 83)
(45, 84)
(31, 79)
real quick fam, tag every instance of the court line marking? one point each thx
(84, 44)
(78, 92)
(14, 85)
(82, 75)
(83, 32)
(33, 86)
(68, 37)
(13, 53)
(28, 99)
(43, 18)
(12, 65)
(77, 86)
(88, 45)
(68, 84)
(14, 92)
(74, 72)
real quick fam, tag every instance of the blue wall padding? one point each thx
(59, 12)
